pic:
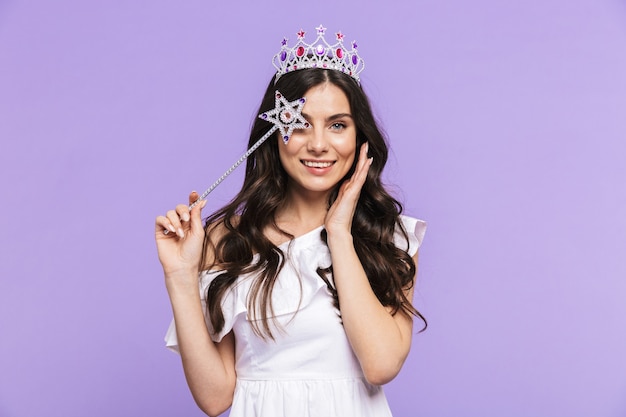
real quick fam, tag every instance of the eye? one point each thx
(338, 126)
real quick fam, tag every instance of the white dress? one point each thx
(309, 370)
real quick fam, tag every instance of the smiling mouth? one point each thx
(317, 164)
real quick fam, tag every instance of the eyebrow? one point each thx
(330, 118)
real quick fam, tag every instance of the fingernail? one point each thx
(171, 228)
(203, 204)
(180, 232)
(185, 217)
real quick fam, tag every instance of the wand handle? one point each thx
(234, 166)
(286, 116)
(231, 169)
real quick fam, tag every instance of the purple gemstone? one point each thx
(302, 100)
(319, 49)
(283, 55)
(264, 115)
(286, 138)
(355, 59)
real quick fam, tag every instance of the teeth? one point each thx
(314, 164)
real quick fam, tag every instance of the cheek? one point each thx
(351, 161)
(348, 148)
(286, 152)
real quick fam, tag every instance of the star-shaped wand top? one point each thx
(286, 116)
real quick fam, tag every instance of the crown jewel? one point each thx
(319, 54)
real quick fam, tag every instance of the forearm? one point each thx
(208, 367)
(380, 341)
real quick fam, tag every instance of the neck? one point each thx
(302, 212)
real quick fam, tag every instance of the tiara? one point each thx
(319, 54)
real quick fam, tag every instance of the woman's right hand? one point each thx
(180, 249)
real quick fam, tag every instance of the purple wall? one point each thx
(508, 133)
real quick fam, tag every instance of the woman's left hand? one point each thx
(339, 216)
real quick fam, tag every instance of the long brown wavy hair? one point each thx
(242, 222)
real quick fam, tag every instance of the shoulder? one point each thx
(409, 233)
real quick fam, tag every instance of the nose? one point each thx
(317, 141)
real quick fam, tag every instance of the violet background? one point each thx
(507, 126)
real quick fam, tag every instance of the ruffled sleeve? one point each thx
(171, 339)
(232, 306)
(415, 229)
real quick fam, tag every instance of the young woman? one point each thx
(306, 278)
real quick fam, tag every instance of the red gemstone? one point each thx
(300, 51)
(339, 53)
(285, 117)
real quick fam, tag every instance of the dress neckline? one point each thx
(305, 236)
(308, 236)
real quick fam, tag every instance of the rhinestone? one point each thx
(285, 116)
(300, 51)
(338, 53)
(319, 49)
